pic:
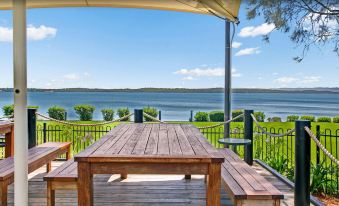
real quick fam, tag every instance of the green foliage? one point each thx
(274, 119)
(260, 116)
(216, 116)
(107, 114)
(8, 110)
(308, 117)
(84, 111)
(201, 117)
(279, 163)
(57, 112)
(321, 179)
(152, 111)
(236, 113)
(123, 112)
(336, 119)
(292, 118)
(324, 119)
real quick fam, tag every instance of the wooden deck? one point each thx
(139, 190)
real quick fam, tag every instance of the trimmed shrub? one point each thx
(336, 119)
(84, 111)
(107, 114)
(152, 111)
(274, 119)
(8, 110)
(236, 113)
(324, 119)
(308, 117)
(292, 118)
(216, 116)
(123, 112)
(260, 116)
(57, 112)
(201, 117)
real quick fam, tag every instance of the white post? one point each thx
(20, 103)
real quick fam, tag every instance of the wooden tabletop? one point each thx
(156, 143)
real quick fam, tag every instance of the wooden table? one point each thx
(150, 149)
(7, 128)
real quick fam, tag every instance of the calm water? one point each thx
(177, 106)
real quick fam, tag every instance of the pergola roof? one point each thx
(223, 8)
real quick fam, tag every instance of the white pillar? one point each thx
(20, 103)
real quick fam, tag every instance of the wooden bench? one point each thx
(244, 185)
(64, 177)
(38, 156)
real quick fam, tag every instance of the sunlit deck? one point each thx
(139, 190)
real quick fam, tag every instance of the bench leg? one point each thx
(85, 184)
(123, 176)
(3, 194)
(206, 178)
(50, 194)
(213, 185)
(188, 177)
(49, 167)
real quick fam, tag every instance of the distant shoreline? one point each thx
(187, 90)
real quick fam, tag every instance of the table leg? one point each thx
(9, 139)
(85, 184)
(213, 184)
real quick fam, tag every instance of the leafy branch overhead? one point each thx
(311, 23)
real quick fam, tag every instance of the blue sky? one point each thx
(130, 48)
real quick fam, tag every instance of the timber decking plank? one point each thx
(140, 147)
(152, 144)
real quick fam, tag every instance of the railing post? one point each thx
(138, 116)
(31, 128)
(191, 117)
(318, 149)
(160, 115)
(248, 133)
(44, 131)
(302, 164)
(65, 116)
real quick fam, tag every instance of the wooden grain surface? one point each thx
(172, 143)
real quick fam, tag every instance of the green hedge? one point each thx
(292, 118)
(260, 116)
(236, 113)
(152, 111)
(308, 117)
(107, 114)
(57, 112)
(84, 111)
(336, 119)
(8, 110)
(274, 119)
(216, 116)
(201, 117)
(324, 119)
(123, 112)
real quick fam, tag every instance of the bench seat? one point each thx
(244, 185)
(37, 157)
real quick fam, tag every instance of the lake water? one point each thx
(177, 106)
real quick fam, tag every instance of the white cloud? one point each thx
(253, 31)
(33, 33)
(236, 44)
(248, 51)
(71, 76)
(286, 80)
(302, 80)
(209, 72)
(189, 78)
(310, 79)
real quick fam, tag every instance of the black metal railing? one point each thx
(279, 153)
